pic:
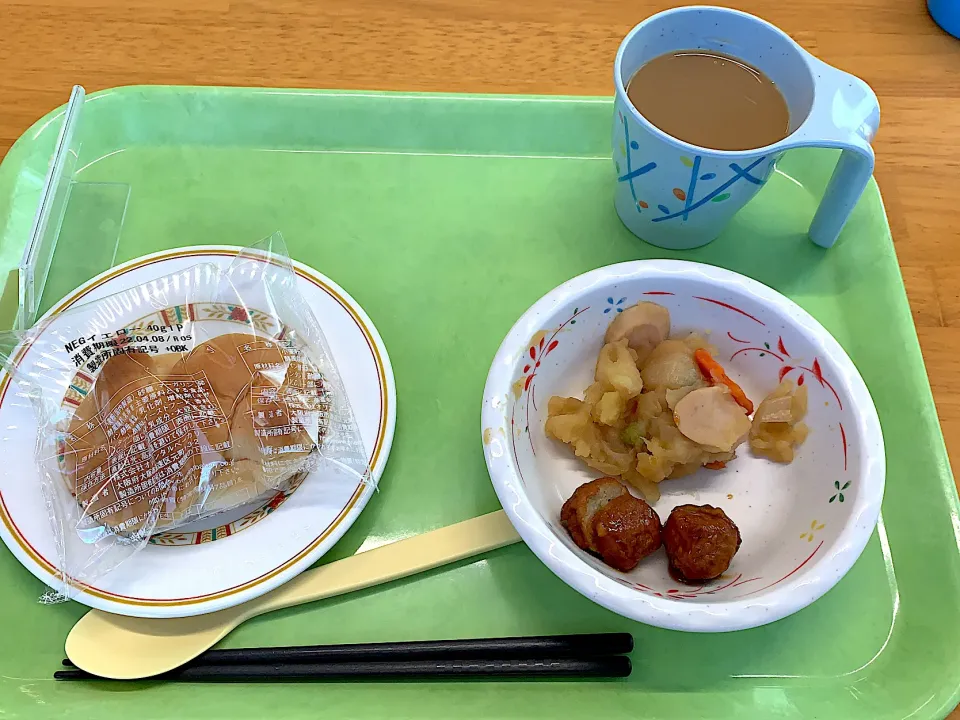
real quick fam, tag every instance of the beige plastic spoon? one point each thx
(125, 648)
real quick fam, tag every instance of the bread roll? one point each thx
(232, 361)
(86, 440)
(160, 440)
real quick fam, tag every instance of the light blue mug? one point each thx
(677, 195)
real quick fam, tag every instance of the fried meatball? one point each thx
(625, 531)
(577, 513)
(700, 541)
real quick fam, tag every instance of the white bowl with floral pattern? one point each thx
(803, 525)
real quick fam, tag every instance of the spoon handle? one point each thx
(391, 562)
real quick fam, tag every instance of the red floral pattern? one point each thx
(786, 369)
(688, 593)
(537, 353)
(728, 306)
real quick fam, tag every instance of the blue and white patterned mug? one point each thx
(677, 195)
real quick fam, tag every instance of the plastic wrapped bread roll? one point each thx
(176, 398)
(161, 440)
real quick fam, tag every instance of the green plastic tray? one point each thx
(446, 217)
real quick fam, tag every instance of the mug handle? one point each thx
(845, 115)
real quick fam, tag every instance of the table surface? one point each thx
(46, 46)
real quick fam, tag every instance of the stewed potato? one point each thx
(650, 413)
(777, 428)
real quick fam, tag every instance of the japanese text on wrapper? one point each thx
(91, 351)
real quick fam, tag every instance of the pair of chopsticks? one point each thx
(601, 655)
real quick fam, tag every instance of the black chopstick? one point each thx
(617, 666)
(597, 655)
(546, 646)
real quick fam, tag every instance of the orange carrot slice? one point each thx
(714, 372)
(715, 465)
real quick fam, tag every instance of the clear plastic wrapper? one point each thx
(152, 415)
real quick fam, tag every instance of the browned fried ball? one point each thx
(700, 541)
(577, 513)
(625, 531)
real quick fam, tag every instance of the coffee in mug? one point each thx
(746, 110)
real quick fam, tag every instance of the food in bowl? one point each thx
(777, 430)
(162, 439)
(602, 517)
(663, 407)
(700, 541)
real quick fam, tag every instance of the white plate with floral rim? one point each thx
(237, 555)
(803, 525)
